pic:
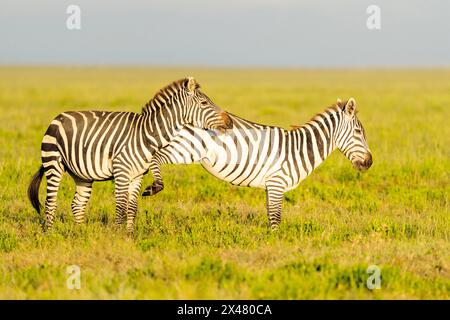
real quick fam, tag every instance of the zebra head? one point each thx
(201, 111)
(351, 137)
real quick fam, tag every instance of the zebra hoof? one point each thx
(130, 231)
(118, 225)
(147, 192)
(152, 190)
(274, 228)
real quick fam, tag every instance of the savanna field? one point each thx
(202, 238)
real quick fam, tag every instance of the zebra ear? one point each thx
(350, 107)
(338, 101)
(191, 85)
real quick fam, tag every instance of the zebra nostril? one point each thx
(364, 165)
(368, 160)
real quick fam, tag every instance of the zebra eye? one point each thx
(357, 131)
(204, 103)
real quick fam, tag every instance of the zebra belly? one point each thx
(256, 183)
(244, 159)
(102, 170)
(232, 172)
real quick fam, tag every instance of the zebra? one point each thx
(268, 157)
(98, 146)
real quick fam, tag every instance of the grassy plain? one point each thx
(202, 238)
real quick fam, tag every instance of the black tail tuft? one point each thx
(33, 189)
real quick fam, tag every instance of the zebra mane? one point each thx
(333, 108)
(164, 95)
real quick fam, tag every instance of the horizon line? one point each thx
(230, 67)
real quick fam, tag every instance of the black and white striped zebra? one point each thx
(267, 157)
(96, 146)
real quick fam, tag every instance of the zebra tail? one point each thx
(33, 189)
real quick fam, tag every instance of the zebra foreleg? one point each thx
(156, 187)
(122, 184)
(157, 184)
(133, 193)
(80, 200)
(274, 199)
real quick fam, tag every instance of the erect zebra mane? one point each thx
(164, 95)
(335, 107)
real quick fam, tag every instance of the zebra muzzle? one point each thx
(364, 165)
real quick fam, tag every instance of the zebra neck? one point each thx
(159, 128)
(314, 141)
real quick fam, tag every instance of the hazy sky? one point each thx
(314, 33)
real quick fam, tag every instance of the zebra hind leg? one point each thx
(53, 174)
(80, 200)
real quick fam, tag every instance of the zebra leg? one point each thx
(274, 199)
(122, 184)
(53, 174)
(80, 200)
(157, 184)
(133, 193)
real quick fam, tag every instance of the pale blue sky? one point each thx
(272, 33)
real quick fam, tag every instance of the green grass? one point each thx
(202, 238)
